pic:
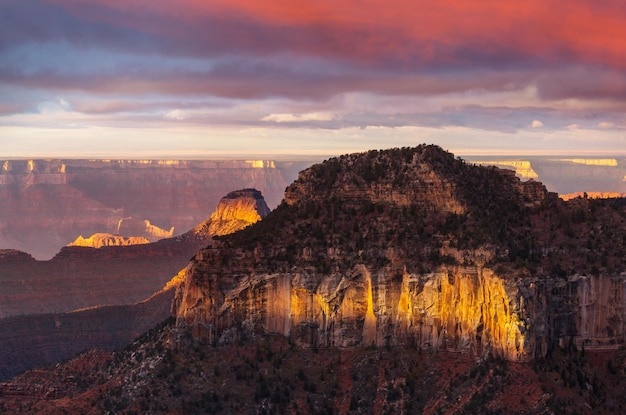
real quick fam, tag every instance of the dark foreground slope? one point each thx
(81, 277)
(275, 376)
(28, 342)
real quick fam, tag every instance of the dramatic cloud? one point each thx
(251, 69)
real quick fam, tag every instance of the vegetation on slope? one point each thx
(270, 375)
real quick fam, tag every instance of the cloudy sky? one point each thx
(227, 77)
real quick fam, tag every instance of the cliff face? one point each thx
(137, 228)
(163, 198)
(412, 246)
(467, 310)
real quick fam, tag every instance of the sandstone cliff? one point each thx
(132, 227)
(413, 246)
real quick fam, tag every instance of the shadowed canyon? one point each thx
(88, 297)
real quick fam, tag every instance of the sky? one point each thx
(185, 78)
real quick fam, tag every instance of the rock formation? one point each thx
(397, 247)
(98, 240)
(413, 246)
(234, 212)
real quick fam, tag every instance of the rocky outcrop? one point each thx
(45, 204)
(98, 240)
(234, 212)
(412, 246)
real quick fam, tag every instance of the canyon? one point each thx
(103, 297)
(385, 281)
(46, 204)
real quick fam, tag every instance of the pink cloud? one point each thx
(368, 30)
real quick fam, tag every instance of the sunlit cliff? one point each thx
(464, 310)
(132, 227)
(235, 211)
(592, 195)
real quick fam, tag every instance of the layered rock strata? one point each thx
(465, 310)
(234, 212)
